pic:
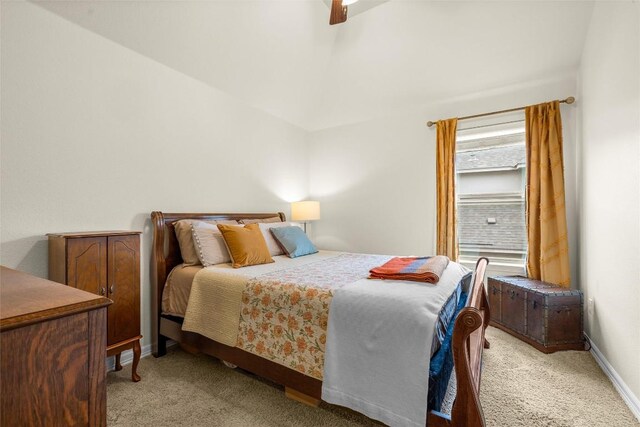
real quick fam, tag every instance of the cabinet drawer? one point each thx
(45, 368)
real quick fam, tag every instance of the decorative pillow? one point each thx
(209, 244)
(261, 220)
(185, 239)
(272, 244)
(246, 245)
(294, 241)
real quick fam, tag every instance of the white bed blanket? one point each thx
(378, 345)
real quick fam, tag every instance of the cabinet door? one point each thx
(87, 264)
(124, 288)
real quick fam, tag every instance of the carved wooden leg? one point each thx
(118, 365)
(136, 358)
(487, 344)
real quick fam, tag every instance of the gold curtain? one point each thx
(447, 243)
(548, 253)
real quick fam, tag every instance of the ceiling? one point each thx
(283, 57)
(358, 7)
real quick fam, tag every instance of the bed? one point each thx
(461, 342)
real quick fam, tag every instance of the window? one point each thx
(491, 177)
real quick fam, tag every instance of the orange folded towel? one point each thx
(417, 269)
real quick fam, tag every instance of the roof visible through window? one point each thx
(490, 173)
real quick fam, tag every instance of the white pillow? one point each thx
(272, 244)
(209, 244)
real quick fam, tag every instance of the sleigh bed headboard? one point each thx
(165, 251)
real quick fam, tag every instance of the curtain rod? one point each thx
(569, 100)
(491, 125)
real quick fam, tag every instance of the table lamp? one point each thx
(306, 211)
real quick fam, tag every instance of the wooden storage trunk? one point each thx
(546, 316)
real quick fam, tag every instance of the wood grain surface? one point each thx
(27, 299)
(52, 361)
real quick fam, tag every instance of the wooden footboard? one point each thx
(468, 344)
(468, 335)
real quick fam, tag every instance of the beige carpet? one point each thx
(521, 387)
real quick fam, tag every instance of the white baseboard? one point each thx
(127, 356)
(627, 395)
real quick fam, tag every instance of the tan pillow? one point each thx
(246, 245)
(272, 244)
(261, 220)
(185, 239)
(209, 243)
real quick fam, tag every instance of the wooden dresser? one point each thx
(105, 263)
(541, 314)
(52, 363)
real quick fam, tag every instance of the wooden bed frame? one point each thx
(468, 335)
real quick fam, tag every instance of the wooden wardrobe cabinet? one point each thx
(108, 264)
(52, 363)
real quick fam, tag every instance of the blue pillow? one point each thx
(293, 241)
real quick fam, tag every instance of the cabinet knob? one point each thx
(112, 289)
(102, 291)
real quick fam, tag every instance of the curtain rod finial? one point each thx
(430, 123)
(570, 100)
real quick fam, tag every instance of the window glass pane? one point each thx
(491, 175)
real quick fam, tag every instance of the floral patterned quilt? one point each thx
(284, 313)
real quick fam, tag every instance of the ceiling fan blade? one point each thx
(338, 12)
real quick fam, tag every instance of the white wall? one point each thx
(96, 136)
(376, 179)
(87, 125)
(609, 124)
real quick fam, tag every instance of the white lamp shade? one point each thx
(305, 211)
